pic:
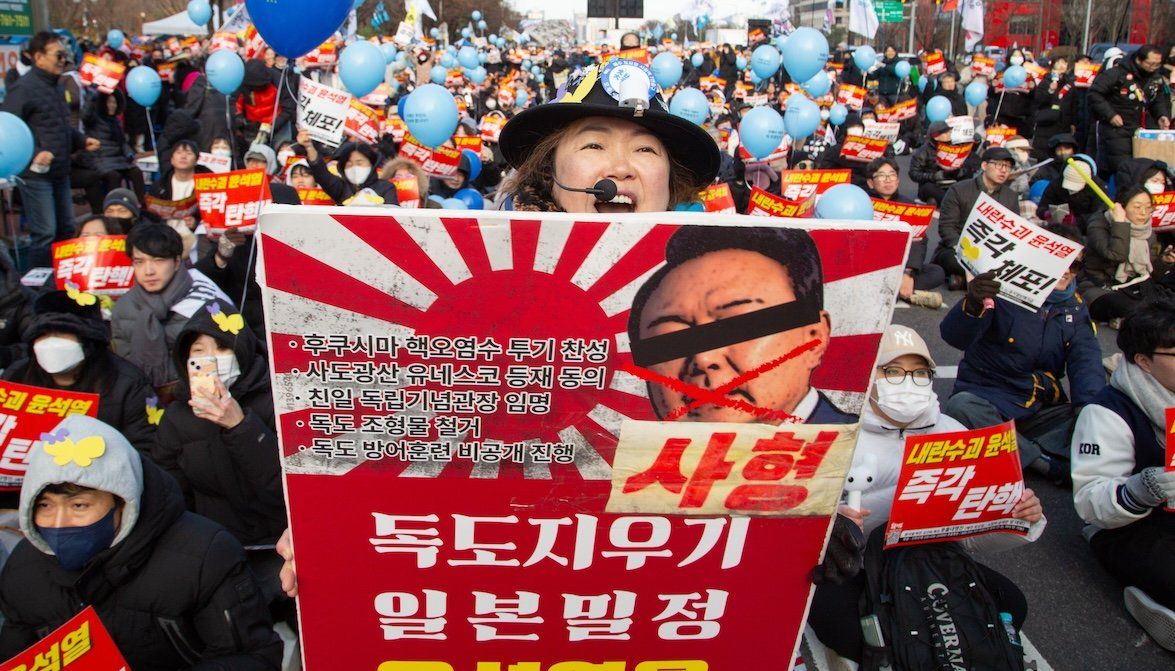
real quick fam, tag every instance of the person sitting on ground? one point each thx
(932, 178)
(1061, 147)
(106, 527)
(149, 317)
(1120, 484)
(902, 403)
(1014, 362)
(995, 169)
(920, 278)
(1073, 195)
(122, 206)
(1125, 265)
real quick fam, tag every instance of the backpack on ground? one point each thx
(927, 607)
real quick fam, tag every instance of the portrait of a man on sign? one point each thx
(731, 328)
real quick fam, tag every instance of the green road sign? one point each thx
(889, 11)
(16, 17)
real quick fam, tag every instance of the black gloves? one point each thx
(845, 555)
(979, 289)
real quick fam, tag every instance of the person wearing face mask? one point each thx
(1060, 147)
(106, 527)
(1146, 173)
(1056, 110)
(122, 206)
(1020, 148)
(932, 178)
(1074, 194)
(1125, 265)
(1015, 360)
(902, 403)
(1017, 107)
(357, 163)
(69, 347)
(218, 440)
(1120, 487)
(1124, 98)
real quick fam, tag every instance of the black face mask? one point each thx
(123, 223)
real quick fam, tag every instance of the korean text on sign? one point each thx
(718, 198)
(917, 216)
(764, 204)
(80, 643)
(26, 412)
(863, 149)
(322, 111)
(1163, 218)
(94, 264)
(233, 199)
(1028, 260)
(798, 185)
(103, 74)
(956, 485)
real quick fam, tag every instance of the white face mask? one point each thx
(282, 157)
(357, 174)
(57, 355)
(222, 152)
(903, 402)
(1016, 60)
(491, 103)
(227, 369)
(1021, 155)
(1155, 187)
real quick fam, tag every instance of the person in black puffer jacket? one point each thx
(114, 158)
(358, 163)
(1124, 98)
(225, 457)
(16, 313)
(171, 587)
(126, 400)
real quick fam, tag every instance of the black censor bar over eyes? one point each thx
(725, 332)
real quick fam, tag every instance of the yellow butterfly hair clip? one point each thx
(64, 450)
(228, 323)
(80, 297)
(154, 412)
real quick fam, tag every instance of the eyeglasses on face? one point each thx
(894, 375)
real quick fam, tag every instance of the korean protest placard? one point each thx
(951, 156)
(362, 123)
(862, 149)
(799, 185)
(962, 129)
(718, 198)
(315, 196)
(81, 644)
(1163, 217)
(440, 162)
(916, 215)
(322, 111)
(95, 264)
(906, 109)
(885, 130)
(27, 412)
(215, 163)
(1028, 260)
(463, 396)
(100, 73)
(1170, 446)
(956, 485)
(171, 209)
(765, 204)
(852, 97)
(233, 199)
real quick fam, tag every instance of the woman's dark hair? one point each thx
(97, 372)
(1127, 195)
(157, 240)
(1150, 327)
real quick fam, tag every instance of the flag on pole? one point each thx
(828, 17)
(863, 18)
(972, 22)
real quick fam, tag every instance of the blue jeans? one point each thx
(48, 211)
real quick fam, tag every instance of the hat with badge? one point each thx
(620, 88)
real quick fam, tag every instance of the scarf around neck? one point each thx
(1146, 392)
(149, 338)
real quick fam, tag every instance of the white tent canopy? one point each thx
(178, 24)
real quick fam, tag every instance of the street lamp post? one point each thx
(1085, 31)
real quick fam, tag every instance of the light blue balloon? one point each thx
(481, 58)
(389, 51)
(447, 60)
(523, 38)
(16, 145)
(938, 109)
(690, 104)
(438, 74)
(740, 62)
(431, 115)
(765, 61)
(477, 75)
(361, 67)
(819, 85)
(115, 39)
(225, 71)
(451, 49)
(471, 198)
(658, 32)
(437, 199)
(401, 58)
(653, 50)
(755, 78)
(143, 85)
(837, 114)
(481, 25)
(457, 204)
(1014, 76)
(805, 53)
(466, 32)
(535, 70)
(922, 84)
(526, 64)
(902, 69)
(476, 15)
(975, 93)
(845, 201)
(802, 117)
(865, 57)
(468, 57)
(666, 70)
(694, 206)
(434, 33)
(200, 12)
(779, 42)
(673, 36)
(696, 60)
(394, 86)
(521, 99)
(493, 38)
(761, 131)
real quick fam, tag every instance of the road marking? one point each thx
(1033, 654)
(946, 372)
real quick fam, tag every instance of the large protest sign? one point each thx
(452, 393)
(322, 111)
(956, 485)
(916, 215)
(797, 185)
(27, 412)
(766, 204)
(232, 199)
(82, 643)
(95, 264)
(1028, 260)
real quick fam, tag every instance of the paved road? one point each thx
(1076, 618)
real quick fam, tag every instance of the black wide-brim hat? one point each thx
(591, 93)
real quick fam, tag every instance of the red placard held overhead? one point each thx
(28, 412)
(232, 199)
(97, 264)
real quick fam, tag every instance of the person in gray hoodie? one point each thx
(107, 528)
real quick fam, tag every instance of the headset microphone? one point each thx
(604, 190)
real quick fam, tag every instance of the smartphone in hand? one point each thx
(202, 376)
